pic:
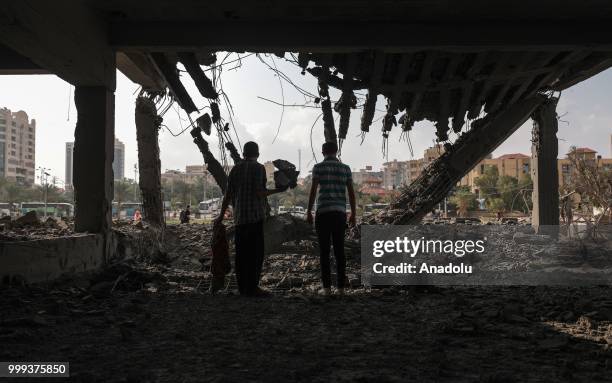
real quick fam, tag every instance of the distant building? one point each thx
(398, 173)
(171, 176)
(515, 165)
(394, 174)
(191, 175)
(69, 160)
(373, 186)
(119, 160)
(194, 172)
(367, 173)
(518, 165)
(17, 146)
(566, 170)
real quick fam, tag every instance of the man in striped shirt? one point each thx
(333, 179)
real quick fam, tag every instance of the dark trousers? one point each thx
(249, 256)
(330, 229)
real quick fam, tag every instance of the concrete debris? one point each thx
(204, 123)
(202, 82)
(523, 238)
(286, 175)
(369, 108)
(438, 179)
(29, 227)
(216, 113)
(546, 329)
(28, 219)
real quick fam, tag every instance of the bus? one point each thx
(54, 209)
(210, 206)
(7, 210)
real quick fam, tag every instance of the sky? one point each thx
(585, 110)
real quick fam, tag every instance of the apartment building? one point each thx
(566, 170)
(69, 164)
(515, 165)
(360, 176)
(17, 146)
(119, 160)
(518, 165)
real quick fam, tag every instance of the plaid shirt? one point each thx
(244, 181)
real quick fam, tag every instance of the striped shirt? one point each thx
(244, 181)
(333, 176)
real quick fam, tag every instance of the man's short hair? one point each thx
(251, 149)
(329, 148)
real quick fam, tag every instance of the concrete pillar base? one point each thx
(544, 152)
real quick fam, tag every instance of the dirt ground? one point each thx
(138, 322)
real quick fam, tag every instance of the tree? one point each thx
(212, 190)
(182, 193)
(464, 199)
(506, 190)
(375, 198)
(121, 193)
(487, 182)
(593, 183)
(12, 192)
(522, 198)
(496, 204)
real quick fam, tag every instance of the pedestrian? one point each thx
(333, 179)
(187, 215)
(137, 216)
(246, 192)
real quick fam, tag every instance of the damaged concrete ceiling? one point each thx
(313, 10)
(434, 85)
(434, 60)
(437, 85)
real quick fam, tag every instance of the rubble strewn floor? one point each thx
(140, 322)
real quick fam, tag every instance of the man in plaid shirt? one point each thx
(246, 192)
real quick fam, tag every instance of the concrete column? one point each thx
(147, 131)
(93, 158)
(544, 152)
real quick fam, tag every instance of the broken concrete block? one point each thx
(286, 175)
(28, 219)
(49, 222)
(535, 239)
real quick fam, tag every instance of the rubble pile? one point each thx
(92, 318)
(295, 270)
(519, 333)
(30, 227)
